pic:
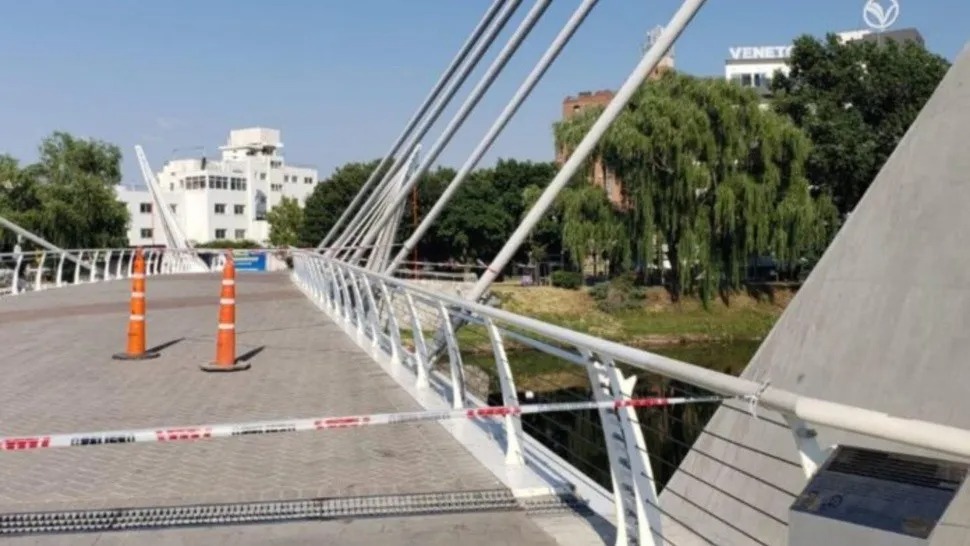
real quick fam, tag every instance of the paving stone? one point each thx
(60, 378)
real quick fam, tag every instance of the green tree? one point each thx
(712, 175)
(285, 222)
(329, 199)
(592, 230)
(68, 196)
(484, 211)
(545, 240)
(855, 101)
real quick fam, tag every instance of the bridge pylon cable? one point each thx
(369, 216)
(480, 49)
(449, 72)
(555, 48)
(647, 64)
(486, 81)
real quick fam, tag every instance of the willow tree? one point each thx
(591, 228)
(712, 174)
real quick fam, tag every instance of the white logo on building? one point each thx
(880, 17)
(768, 53)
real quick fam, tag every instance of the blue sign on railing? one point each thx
(250, 260)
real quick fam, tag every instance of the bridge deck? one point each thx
(59, 377)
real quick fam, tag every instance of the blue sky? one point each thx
(341, 77)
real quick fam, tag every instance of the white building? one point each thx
(755, 66)
(226, 198)
(145, 227)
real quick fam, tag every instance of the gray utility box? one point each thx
(866, 497)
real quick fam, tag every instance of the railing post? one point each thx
(38, 275)
(347, 299)
(332, 289)
(337, 291)
(358, 307)
(454, 358)
(420, 347)
(60, 269)
(131, 263)
(107, 266)
(393, 326)
(121, 264)
(315, 276)
(624, 469)
(810, 453)
(510, 397)
(15, 284)
(105, 275)
(77, 267)
(371, 312)
(93, 272)
(645, 485)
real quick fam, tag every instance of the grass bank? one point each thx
(658, 322)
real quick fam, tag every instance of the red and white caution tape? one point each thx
(206, 432)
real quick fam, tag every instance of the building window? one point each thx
(276, 164)
(746, 80)
(171, 186)
(172, 206)
(145, 208)
(236, 183)
(240, 234)
(308, 180)
(218, 182)
(286, 178)
(194, 182)
(220, 208)
(220, 234)
(276, 187)
(146, 233)
(239, 209)
(262, 176)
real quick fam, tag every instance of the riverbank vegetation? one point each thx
(653, 319)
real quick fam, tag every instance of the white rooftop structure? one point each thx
(754, 66)
(224, 199)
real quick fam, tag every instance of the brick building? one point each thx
(571, 106)
(602, 177)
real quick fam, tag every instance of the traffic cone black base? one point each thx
(214, 367)
(143, 356)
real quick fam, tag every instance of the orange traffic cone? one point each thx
(226, 337)
(136, 317)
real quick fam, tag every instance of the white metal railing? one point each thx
(43, 269)
(401, 320)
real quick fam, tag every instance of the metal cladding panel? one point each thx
(883, 322)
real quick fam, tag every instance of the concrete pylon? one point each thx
(883, 322)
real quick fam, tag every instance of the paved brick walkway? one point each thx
(58, 376)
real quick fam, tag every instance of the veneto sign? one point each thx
(760, 53)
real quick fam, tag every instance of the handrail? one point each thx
(381, 315)
(34, 270)
(912, 432)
